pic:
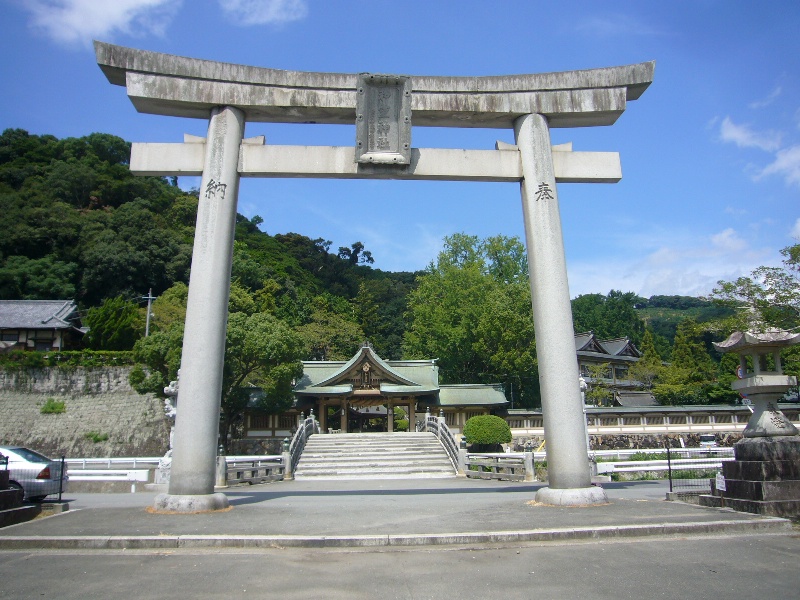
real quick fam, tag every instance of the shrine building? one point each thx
(361, 394)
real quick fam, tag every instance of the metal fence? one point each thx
(691, 472)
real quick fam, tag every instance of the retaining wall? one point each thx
(98, 401)
(636, 441)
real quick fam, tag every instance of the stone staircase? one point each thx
(374, 456)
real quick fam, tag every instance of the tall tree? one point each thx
(769, 297)
(466, 313)
(262, 352)
(647, 369)
(114, 325)
(691, 377)
(610, 316)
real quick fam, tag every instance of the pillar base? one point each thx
(572, 496)
(188, 503)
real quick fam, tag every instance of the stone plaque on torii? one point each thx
(383, 108)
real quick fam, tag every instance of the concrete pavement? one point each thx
(378, 513)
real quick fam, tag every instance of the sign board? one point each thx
(383, 119)
(720, 483)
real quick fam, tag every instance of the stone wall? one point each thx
(638, 441)
(98, 401)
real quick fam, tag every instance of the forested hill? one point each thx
(77, 224)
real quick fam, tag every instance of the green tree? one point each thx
(260, 351)
(599, 391)
(158, 358)
(769, 297)
(647, 369)
(692, 372)
(330, 332)
(114, 325)
(36, 278)
(479, 325)
(611, 316)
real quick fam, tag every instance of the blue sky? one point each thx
(710, 153)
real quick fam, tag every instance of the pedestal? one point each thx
(765, 477)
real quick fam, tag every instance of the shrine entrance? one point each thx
(382, 109)
(367, 393)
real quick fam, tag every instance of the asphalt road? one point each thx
(729, 566)
(725, 567)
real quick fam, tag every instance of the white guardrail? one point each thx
(132, 475)
(137, 469)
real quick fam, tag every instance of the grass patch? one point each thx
(96, 436)
(53, 407)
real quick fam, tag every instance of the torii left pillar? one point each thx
(191, 483)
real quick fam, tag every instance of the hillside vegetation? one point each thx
(77, 224)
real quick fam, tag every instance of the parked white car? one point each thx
(35, 474)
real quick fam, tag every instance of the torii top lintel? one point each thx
(187, 87)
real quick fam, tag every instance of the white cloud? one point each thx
(80, 21)
(728, 241)
(744, 137)
(735, 211)
(786, 164)
(670, 263)
(764, 102)
(616, 25)
(795, 233)
(264, 12)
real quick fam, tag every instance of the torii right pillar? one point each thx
(570, 481)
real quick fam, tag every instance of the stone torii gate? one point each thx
(382, 107)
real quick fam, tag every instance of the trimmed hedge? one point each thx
(487, 430)
(29, 359)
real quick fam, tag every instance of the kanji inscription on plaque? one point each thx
(383, 119)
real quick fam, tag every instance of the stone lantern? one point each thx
(764, 478)
(763, 387)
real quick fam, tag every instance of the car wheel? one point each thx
(15, 486)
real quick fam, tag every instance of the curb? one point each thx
(768, 525)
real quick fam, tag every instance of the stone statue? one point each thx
(170, 410)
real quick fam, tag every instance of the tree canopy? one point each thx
(472, 311)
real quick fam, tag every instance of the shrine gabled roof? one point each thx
(401, 377)
(366, 354)
(587, 344)
(620, 347)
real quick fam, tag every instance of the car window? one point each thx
(28, 455)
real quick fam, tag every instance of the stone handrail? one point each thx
(258, 470)
(511, 467)
(307, 428)
(439, 428)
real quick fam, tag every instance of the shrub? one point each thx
(53, 407)
(96, 436)
(648, 456)
(28, 359)
(487, 432)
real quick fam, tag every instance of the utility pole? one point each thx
(149, 299)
